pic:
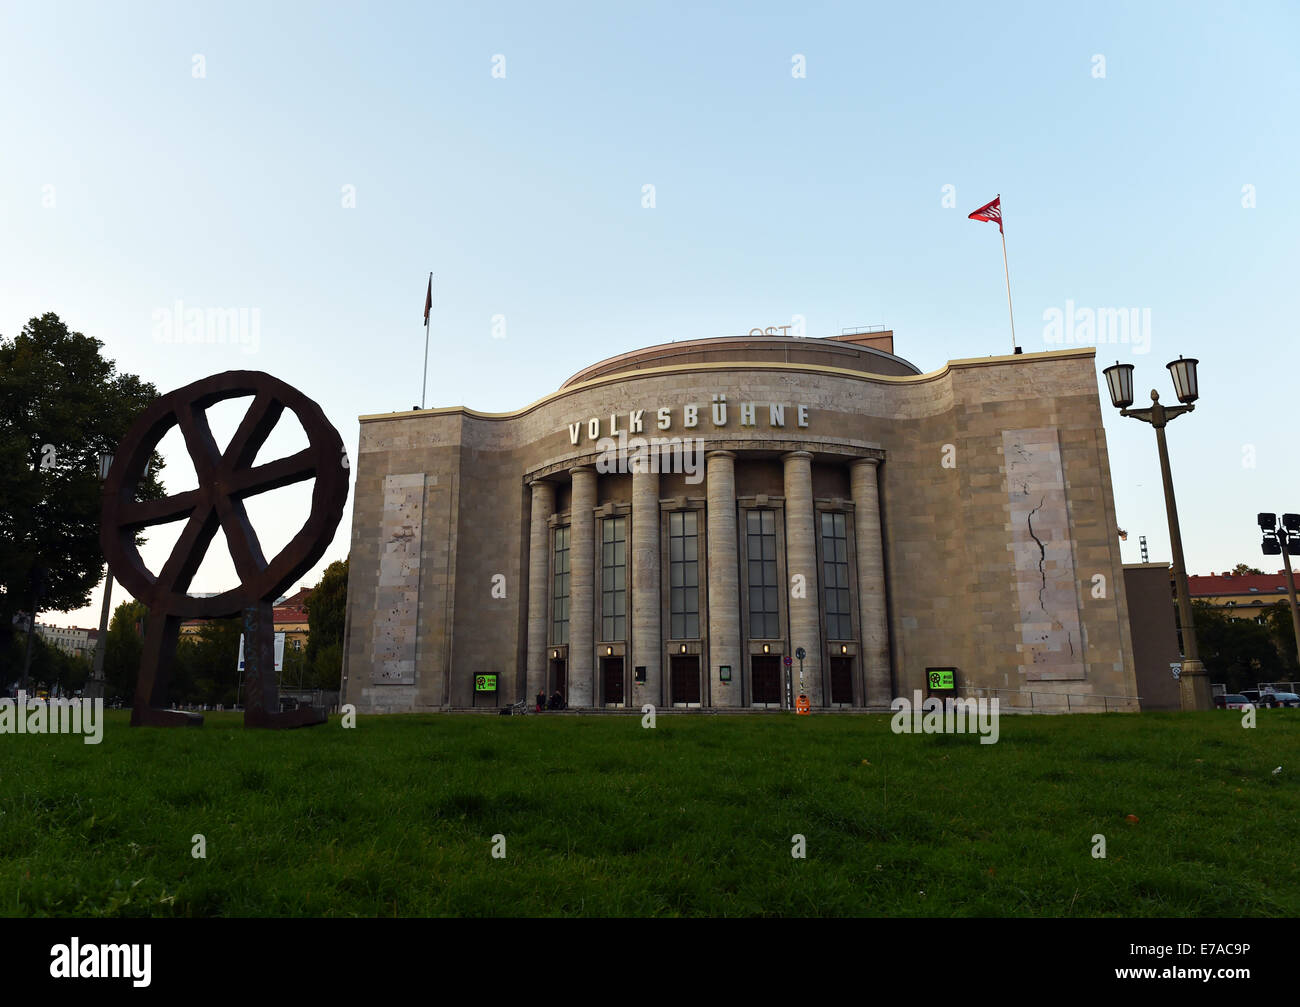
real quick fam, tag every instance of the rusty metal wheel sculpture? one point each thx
(225, 480)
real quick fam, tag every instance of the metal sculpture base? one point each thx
(261, 690)
(151, 690)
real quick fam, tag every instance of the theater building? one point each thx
(675, 525)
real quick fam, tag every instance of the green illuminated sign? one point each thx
(485, 683)
(941, 678)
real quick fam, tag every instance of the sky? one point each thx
(586, 179)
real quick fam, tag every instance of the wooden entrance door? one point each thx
(765, 673)
(612, 671)
(686, 679)
(842, 680)
(559, 679)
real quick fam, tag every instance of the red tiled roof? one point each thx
(1226, 583)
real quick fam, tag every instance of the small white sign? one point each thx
(1176, 668)
(279, 652)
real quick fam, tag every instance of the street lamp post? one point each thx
(96, 686)
(1193, 681)
(1284, 538)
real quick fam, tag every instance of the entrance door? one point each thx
(686, 679)
(559, 679)
(612, 670)
(765, 673)
(842, 680)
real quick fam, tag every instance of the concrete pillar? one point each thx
(871, 583)
(724, 585)
(801, 559)
(582, 587)
(539, 584)
(647, 642)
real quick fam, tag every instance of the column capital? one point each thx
(580, 469)
(873, 462)
(796, 454)
(719, 454)
(534, 484)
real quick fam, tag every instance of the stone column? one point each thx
(724, 585)
(801, 559)
(539, 581)
(647, 642)
(582, 587)
(871, 583)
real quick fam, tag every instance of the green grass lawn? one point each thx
(695, 817)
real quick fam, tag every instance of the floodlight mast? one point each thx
(1285, 534)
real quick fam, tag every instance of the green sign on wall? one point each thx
(941, 678)
(485, 683)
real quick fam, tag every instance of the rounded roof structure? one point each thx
(870, 352)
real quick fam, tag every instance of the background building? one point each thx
(816, 493)
(1241, 595)
(72, 640)
(289, 615)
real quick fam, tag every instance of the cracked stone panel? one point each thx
(398, 596)
(1051, 639)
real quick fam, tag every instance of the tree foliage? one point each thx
(326, 618)
(1237, 652)
(61, 404)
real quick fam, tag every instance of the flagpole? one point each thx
(425, 380)
(1007, 270)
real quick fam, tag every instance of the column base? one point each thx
(1194, 687)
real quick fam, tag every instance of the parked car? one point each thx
(1235, 702)
(1279, 699)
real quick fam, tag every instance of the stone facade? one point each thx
(956, 519)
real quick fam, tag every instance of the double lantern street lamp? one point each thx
(1193, 681)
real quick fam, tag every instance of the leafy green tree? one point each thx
(61, 403)
(1278, 620)
(326, 617)
(207, 666)
(1241, 569)
(123, 648)
(1237, 652)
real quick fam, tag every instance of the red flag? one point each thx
(428, 301)
(990, 213)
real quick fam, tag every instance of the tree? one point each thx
(1241, 570)
(1237, 652)
(326, 616)
(1277, 617)
(61, 404)
(207, 666)
(123, 648)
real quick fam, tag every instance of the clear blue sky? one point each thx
(775, 196)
